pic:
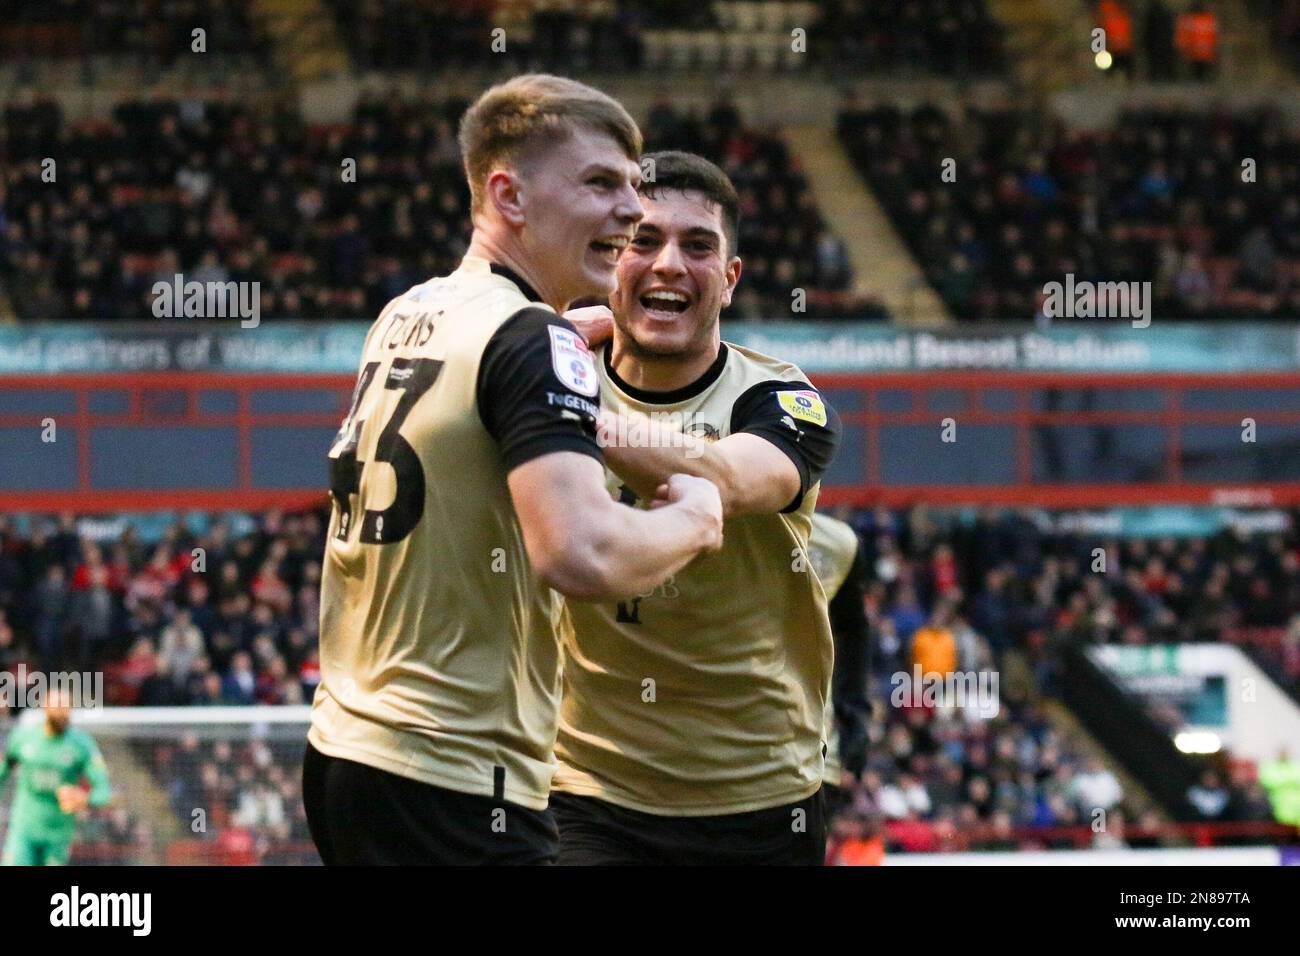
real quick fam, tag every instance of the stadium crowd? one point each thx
(249, 789)
(234, 623)
(147, 33)
(956, 38)
(1003, 590)
(914, 37)
(1204, 206)
(220, 193)
(1159, 41)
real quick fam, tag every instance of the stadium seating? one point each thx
(1162, 197)
(143, 33)
(244, 633)
(221, 193)
(784, 241)
(841, 37)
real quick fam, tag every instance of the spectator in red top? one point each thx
(1197, 41)
(140, 665)
(912, 835)
(1155, 578)
(309, 673)
(236, 847)
(273, 684)
(155, 582)
(943, 568)
(1115, 18)
(86, 575)
(119, 565)
(267, 687)
(270, 589)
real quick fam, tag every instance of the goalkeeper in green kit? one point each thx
(51, 762)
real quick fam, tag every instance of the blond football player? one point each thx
(468, 489)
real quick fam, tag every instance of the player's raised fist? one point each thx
(595, 323)
(698, 495)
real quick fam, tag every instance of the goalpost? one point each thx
(194, 785)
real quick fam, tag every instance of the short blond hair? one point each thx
(520, 118)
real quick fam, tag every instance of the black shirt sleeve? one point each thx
(852, 665)
(795, 418)
(522, 400)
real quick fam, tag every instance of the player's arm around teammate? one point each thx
(580, 542)
(760, 470)
(589, 547)
(751, 474)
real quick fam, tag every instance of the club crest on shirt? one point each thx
(805, 405)
(702, 430)
(572, 361)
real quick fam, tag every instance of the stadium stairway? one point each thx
(1018, 684)
(1137, 800)
(307, 42)
(883, 266)
(137, 789)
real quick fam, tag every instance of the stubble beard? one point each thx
(694, 347)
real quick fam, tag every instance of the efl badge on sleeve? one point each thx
(573, 362)
(805, 405)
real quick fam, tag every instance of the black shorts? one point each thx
(836, 799)
(363, 816)
(599, 833)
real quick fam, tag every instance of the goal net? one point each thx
(217, 786)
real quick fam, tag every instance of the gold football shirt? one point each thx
(707, 694)
(439, 645)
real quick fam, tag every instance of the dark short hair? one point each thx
(677, 170)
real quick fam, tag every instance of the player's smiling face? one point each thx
(581, 205)
(675, 277)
